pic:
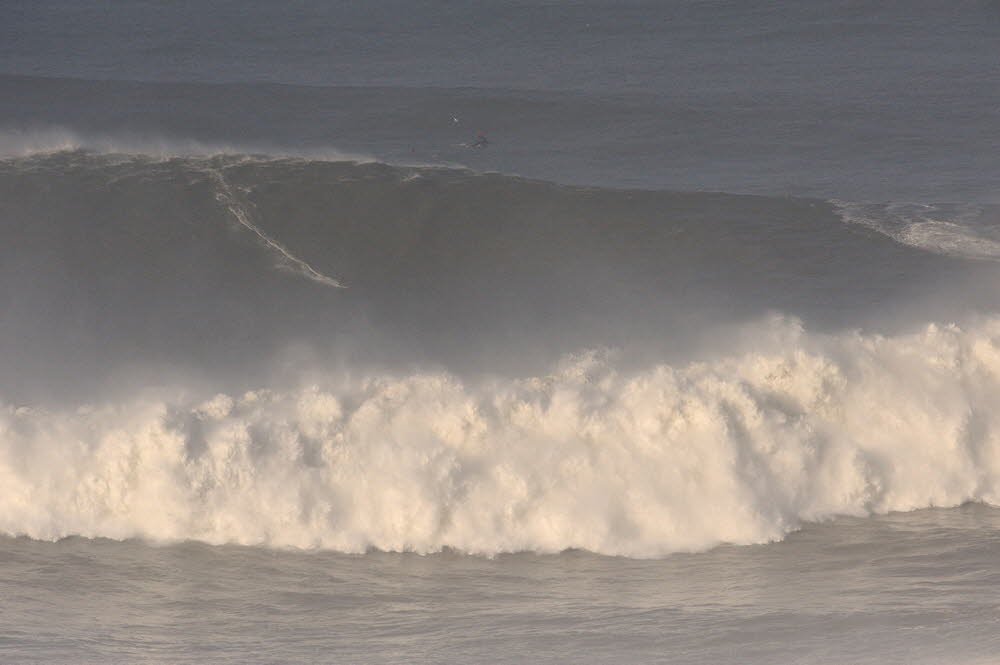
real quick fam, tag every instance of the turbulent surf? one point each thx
(513, 364)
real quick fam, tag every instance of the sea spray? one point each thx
(740, 450)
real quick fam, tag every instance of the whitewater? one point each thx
(741, 450)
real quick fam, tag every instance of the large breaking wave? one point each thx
(200, 275)
(739, 450)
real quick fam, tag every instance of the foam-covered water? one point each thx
(698, 360)
(741, 450)
(968, 231)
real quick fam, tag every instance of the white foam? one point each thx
(740, 450)
(962, 231)
(16, 143)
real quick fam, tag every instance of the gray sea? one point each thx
(516, 331)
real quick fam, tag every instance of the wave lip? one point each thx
(739, 450)
(29, 142)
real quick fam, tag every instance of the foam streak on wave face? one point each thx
(738, 450)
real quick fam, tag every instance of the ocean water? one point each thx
(696, 361)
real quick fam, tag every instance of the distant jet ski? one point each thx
(479, 142)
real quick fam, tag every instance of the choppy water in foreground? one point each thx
(903, 588)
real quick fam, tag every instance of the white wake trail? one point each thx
(228, 198)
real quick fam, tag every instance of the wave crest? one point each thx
(22, 143)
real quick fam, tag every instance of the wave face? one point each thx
(121, 269)
(368, 328)
(638, 464)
